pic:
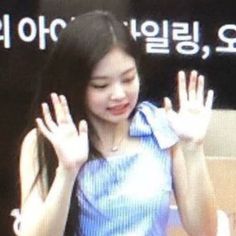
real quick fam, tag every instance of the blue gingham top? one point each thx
(128, 195)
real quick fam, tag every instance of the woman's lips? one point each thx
(118, 109)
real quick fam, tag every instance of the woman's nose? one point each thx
(117, 92)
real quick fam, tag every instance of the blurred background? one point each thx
(187, 35)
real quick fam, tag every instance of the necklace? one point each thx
(115, 148)
(115, 145)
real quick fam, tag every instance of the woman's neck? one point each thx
(110, 135)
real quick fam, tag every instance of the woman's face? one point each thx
(113, 90)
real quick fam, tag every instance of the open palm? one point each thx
(191, 121)
(70, 143)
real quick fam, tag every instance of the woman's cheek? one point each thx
(96, 98)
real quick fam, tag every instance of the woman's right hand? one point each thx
(70, 143)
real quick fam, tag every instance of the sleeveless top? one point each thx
(128, 195)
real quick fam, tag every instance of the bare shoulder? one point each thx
(29, 139)
(29, 148)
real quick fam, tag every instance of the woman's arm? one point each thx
(39, 216)
(193, 189)
(47, 216)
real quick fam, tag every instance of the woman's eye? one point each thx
(99, 86)
(128, 80)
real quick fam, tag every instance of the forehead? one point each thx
(114, 63)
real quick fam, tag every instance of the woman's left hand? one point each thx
(191, 121)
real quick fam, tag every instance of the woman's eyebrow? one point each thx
(129, 70)
(99, 77)
(102, 77)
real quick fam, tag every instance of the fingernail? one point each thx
(211, 91)
(61, 97)
(201, 77)
(194, 72)
(37, 120)
(53, 95)
(181, 74)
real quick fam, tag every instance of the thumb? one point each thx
(167, 105)
(83, 133)
(170, 113)
(83, 127)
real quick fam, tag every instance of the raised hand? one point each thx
(191, 121)
(70, 143)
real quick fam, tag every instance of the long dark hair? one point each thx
(81, 45)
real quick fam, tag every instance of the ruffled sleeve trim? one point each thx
(150, 120)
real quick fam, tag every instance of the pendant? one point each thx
(114, 149)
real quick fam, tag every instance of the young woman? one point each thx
(99, 161)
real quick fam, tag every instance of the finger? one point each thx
(83, 127)
(209, 99)
(170, 113)
(59, 114)
(182, 89)
(167, 104)
(43, 129)
(192, 86)
(200, 89)
(65, 108)
(83, 132)
(47, 117)
(168, 108)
